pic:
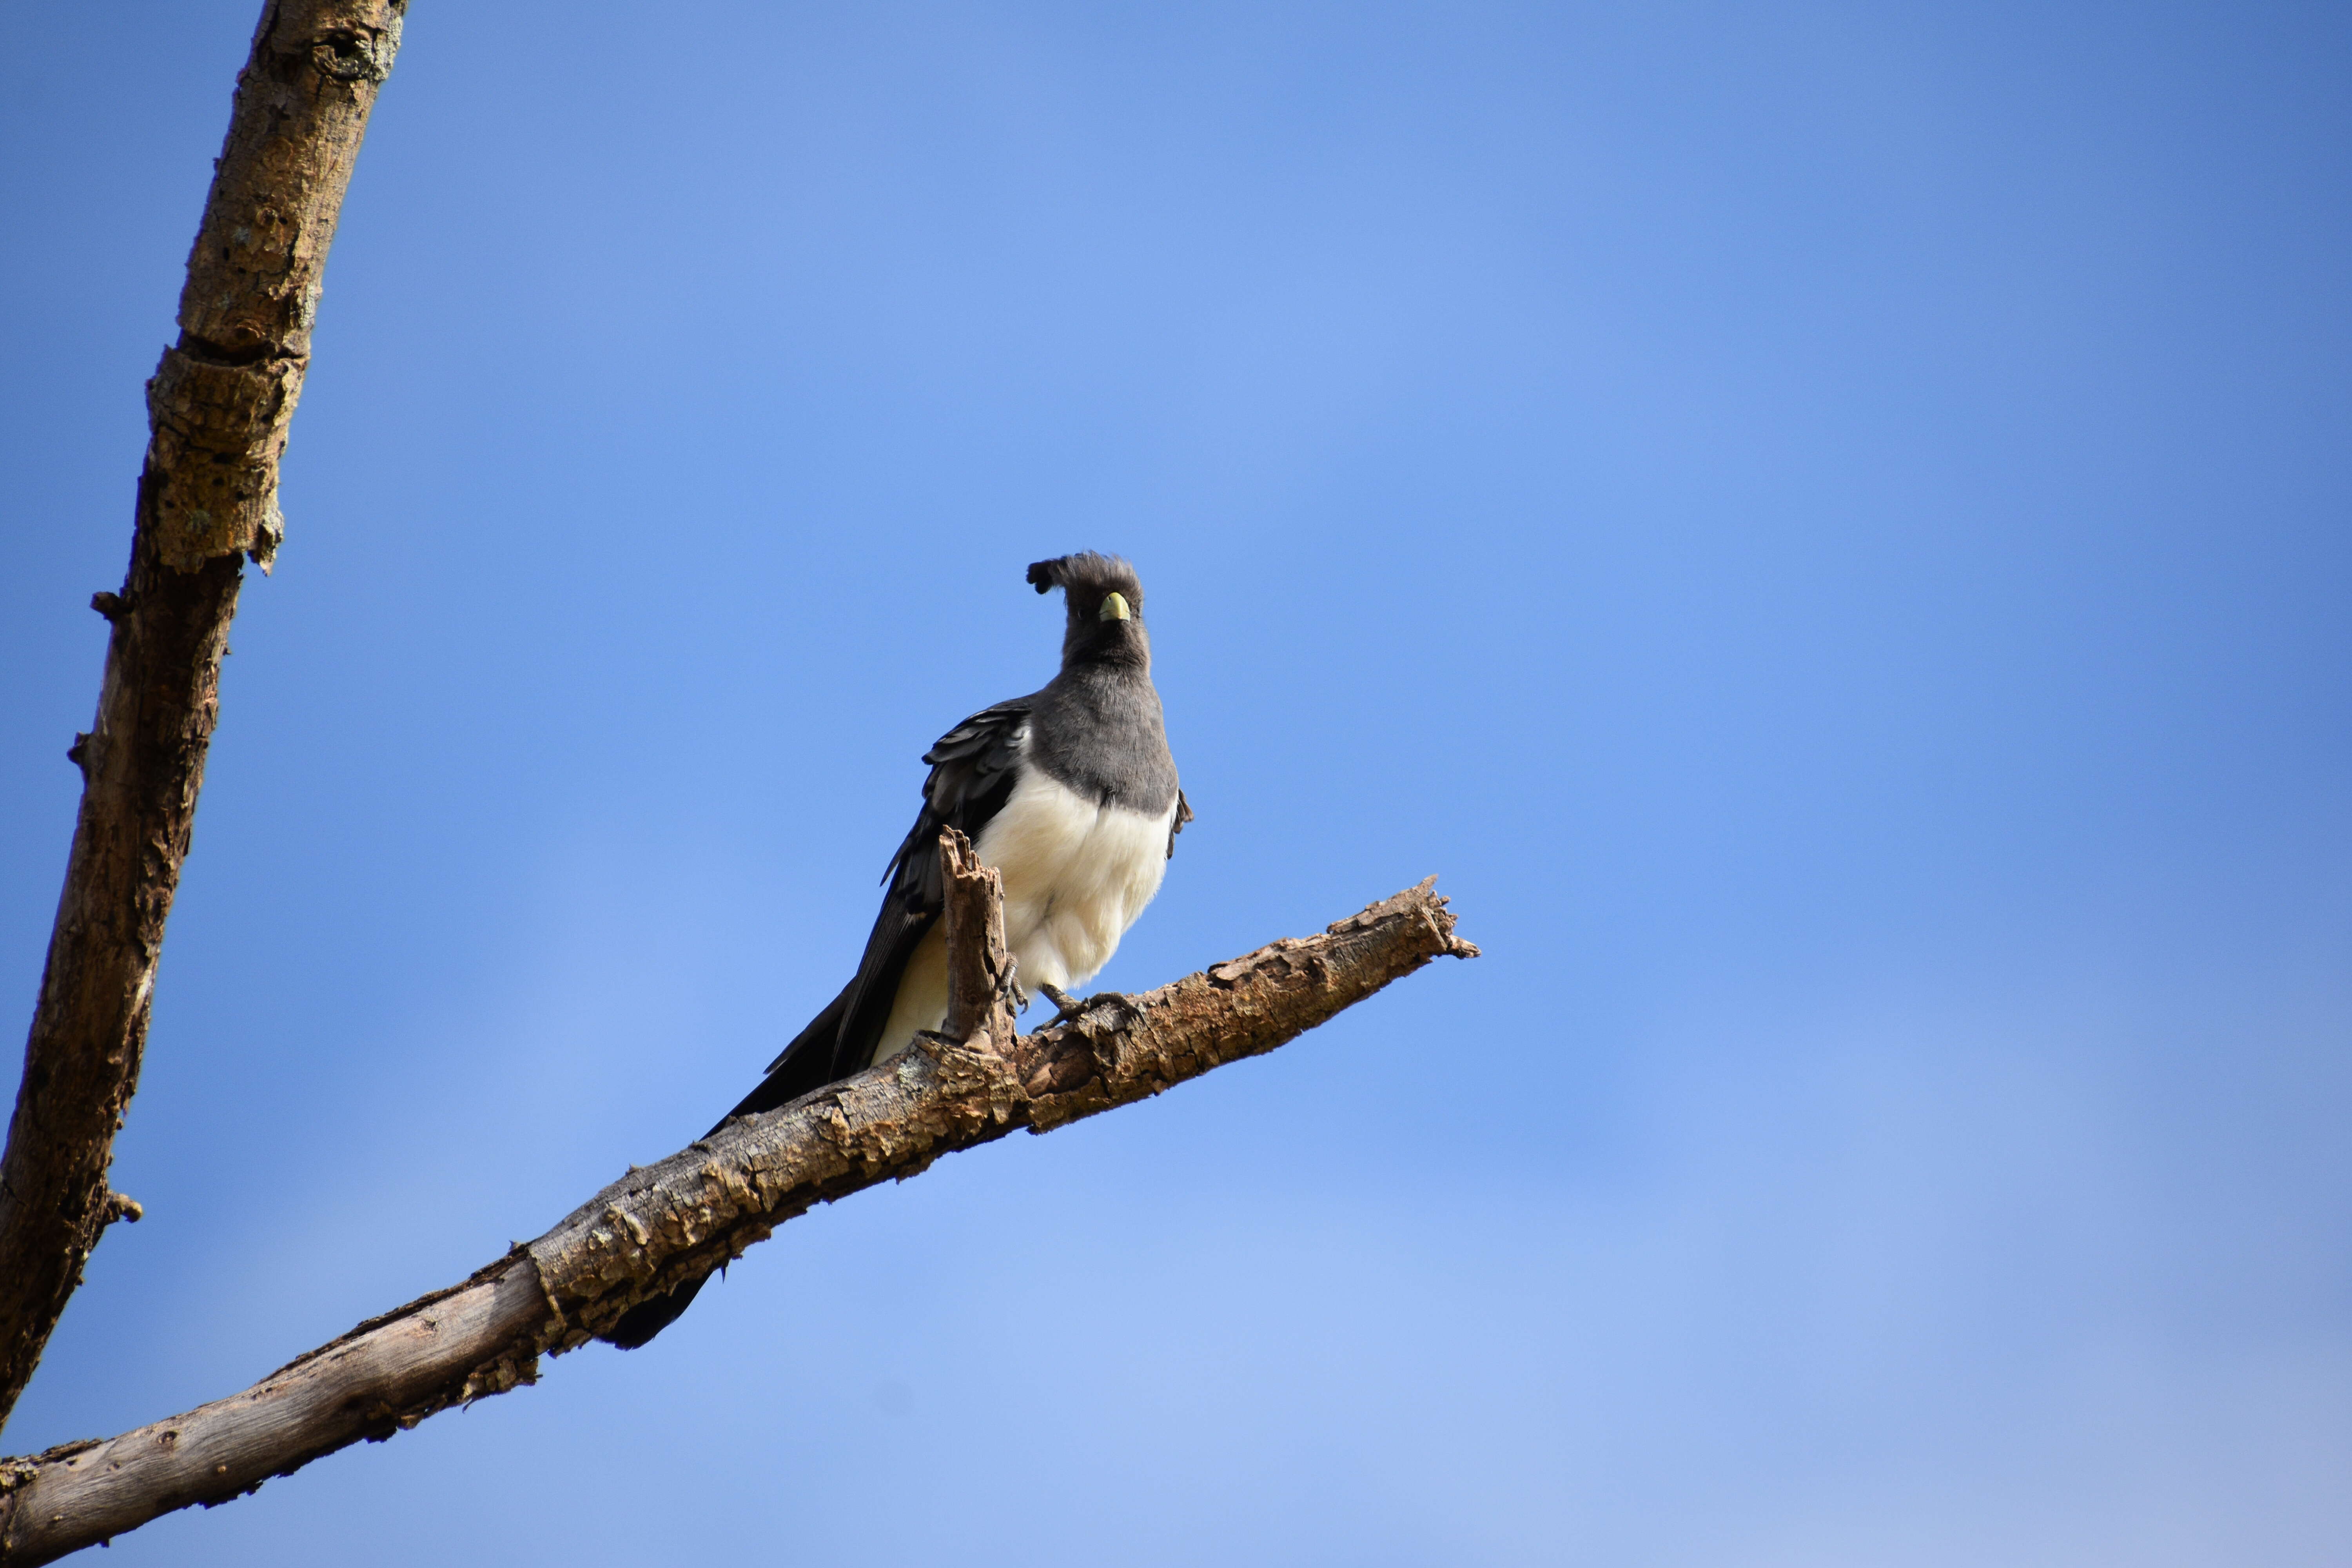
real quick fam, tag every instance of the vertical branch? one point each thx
(218, 409)
(979, 970)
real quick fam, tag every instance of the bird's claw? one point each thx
(1070, 1006)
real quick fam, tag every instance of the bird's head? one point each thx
(1105, 609)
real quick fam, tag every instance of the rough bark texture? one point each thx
(218, 408)
(980, 970)
(664, 1223)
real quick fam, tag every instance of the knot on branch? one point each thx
(122, 1206)
(355, 54)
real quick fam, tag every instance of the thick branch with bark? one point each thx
(218, 409)
(663, 1225)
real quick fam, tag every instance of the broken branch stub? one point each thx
(979, 969)
(667, 1223)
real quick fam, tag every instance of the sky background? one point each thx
(1828, 528)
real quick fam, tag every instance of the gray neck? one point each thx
(1097, 729)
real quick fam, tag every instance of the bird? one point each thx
(1070, 793)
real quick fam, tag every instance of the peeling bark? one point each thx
(218, 408)
(663, 1225)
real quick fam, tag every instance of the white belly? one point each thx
(1075, 875)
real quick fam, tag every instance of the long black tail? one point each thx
(806, 1064)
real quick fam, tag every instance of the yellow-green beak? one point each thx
(1114, 609)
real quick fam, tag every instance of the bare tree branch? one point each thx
(218, 409)
(665, 1223)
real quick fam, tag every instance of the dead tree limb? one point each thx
(218, 409)
(663, 1225)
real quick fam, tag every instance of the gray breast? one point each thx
(1100, 733)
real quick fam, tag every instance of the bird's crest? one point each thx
(1087, 579)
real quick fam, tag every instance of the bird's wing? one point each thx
(1176, 824)
(971, 776)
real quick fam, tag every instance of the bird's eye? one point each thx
(1114, 609)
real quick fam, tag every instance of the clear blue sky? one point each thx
(1830, 528)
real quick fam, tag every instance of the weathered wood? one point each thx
(218, 408)
(980, 977)
(664, 1223)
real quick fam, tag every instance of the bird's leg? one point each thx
(1012, 983)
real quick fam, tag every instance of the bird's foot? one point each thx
(1072, 1007)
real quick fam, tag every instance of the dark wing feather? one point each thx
(1183, 815)
(971, 776)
